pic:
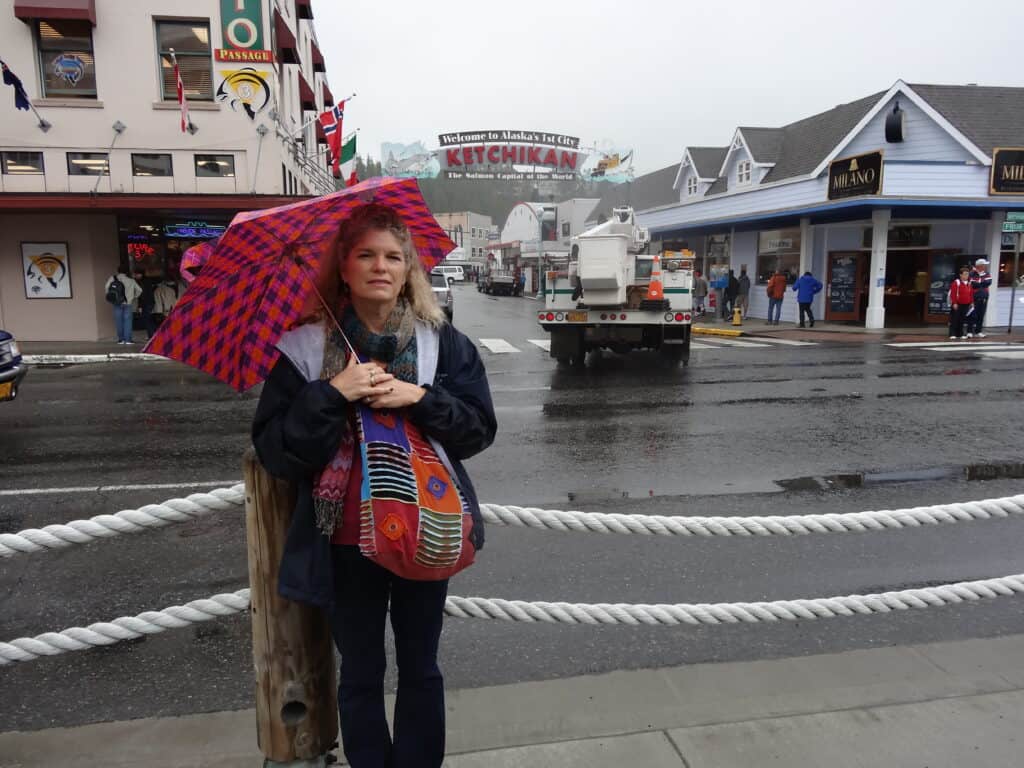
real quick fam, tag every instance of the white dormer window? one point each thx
(743, 172)
(691, 186)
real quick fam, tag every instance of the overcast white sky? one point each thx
(654, 76)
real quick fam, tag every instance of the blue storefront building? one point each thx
(882, 199)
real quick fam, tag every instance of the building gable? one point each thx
(923, 138)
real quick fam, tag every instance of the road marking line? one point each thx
(736, 343)
(498, 346)
(789, 342)
(961, 347)
(701, 345)
(114, 488)
(1010, 354)
(544, 344)
(938, 342)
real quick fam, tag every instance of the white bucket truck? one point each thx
(613, 296)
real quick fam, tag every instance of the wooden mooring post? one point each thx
(293, 655)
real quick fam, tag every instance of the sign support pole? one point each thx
(1013, 284)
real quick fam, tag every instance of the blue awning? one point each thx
(847, 210)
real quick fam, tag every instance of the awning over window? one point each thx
(83, 10)
(286, 47)
(328, 97)
(306, 95)
(304, 9)
(318, 58)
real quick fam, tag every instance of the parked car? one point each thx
(443, 292)
(453, 272)
(12, 370)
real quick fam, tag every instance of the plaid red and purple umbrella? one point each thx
(194, 259)
(255, 283)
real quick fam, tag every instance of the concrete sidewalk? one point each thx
(946, 704)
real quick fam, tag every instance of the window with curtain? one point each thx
(191, 43)
(67, 69)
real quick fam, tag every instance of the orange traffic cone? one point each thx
(655, 291)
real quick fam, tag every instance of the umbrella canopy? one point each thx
(194, 259)
(255, 283)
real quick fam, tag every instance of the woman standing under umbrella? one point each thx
(304, 431)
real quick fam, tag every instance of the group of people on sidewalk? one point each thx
(968, 301)
(733, 293)
(154, 301)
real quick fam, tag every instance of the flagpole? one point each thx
(44, 125)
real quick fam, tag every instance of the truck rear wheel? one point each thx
(568, 347)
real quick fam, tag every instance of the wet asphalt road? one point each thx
(624, 434)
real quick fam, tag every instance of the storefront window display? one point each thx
(1006, 257)
(778, 249)
(154, 246)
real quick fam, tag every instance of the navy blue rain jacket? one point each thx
(298, 427)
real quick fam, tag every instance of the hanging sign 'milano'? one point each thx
(855, 176)
(1007, 171)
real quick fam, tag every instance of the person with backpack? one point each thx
(806, 286)
(776, 291)
(961, 304)
(122, 291)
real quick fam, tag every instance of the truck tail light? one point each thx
(604, 315)
(686, 317)
(549, 316)
(622, 317)
(679, 317)
(559, 317)
(668, 317)
(540, 316)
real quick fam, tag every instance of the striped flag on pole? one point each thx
(186, 122)
(331, 121)
(348, 162)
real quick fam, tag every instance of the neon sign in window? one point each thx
(194, 229)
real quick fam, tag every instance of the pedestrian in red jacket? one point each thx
(961, 301)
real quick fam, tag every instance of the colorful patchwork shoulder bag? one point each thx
(413, 520)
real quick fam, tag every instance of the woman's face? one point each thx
(375, 269)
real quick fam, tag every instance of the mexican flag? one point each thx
(348, 162)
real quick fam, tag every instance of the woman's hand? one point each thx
(362, 380)
(396, 394)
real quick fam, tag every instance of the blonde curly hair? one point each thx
(417, 290)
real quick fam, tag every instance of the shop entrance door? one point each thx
(942, 267)
(845, 285)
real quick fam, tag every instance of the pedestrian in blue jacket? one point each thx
(806, 286)
(304, 431)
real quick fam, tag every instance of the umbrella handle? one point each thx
(323, 303)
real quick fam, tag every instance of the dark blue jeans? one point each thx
(774, 310)
(123, 316)
(362, 593)
(980, 305)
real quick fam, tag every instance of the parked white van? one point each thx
(450, 272)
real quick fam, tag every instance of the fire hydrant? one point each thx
(737, 316)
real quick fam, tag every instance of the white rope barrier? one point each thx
(199, 504)
(153, 622)
(765, 525)
(126, 521)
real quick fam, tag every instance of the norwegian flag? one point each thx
(331, 122)
(182, 101)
